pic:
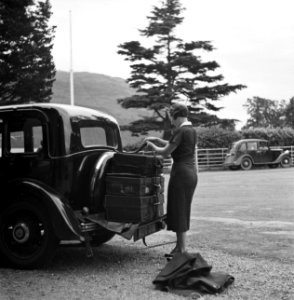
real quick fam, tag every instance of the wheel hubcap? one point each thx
(21, 233)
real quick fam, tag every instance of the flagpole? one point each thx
(72, 101)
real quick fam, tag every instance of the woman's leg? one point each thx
(181, 242)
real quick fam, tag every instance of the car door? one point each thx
(263, 154)
(24, 146)
(252, 151)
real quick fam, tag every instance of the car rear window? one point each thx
(93, 136)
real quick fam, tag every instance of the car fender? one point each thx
(239, 159)
(97, 185)
(66, 225)
(281, 156)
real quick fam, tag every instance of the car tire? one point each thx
(27, 239)
(286, 162)
(246, 164)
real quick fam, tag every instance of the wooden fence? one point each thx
(213, 158)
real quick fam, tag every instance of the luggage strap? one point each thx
(156, 245)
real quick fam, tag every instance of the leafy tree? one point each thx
(170, 70)
(27, 70)
(269, 113)
(289, 113)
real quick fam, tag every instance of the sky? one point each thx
(253, 40)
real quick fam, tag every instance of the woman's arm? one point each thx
(157, 139)
(165, 151)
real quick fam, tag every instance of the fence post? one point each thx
(196, 158)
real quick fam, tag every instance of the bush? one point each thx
(276, 136)
(215, 137)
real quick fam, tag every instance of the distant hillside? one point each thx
(100, 92)
(96, 91)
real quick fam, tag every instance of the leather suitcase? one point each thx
(128, 184)
(140, 164)
(133, 209)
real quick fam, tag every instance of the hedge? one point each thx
(215, 137)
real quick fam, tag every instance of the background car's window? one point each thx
(243, 147)
(263, 145)
(251, 146)
(93, 136)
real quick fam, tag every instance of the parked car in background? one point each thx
(247, 153)
(65, 179)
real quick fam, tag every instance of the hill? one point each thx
(96, 91)
(99, 92)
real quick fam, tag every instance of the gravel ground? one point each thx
(246, 234)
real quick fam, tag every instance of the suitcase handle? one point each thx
(157, 186)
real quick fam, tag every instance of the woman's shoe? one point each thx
(168, 255)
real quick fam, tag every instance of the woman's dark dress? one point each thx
(183, 179)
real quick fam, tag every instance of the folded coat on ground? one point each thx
(187, 271)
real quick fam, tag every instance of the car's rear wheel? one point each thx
(286, 162)
(27, 239)
(246, 163)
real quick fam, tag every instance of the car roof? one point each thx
(63, 109)
(251, 140)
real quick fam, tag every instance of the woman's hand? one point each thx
(150, 144)
(149, 139)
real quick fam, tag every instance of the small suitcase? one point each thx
(128, 184)
(133, 209)
(140, 164)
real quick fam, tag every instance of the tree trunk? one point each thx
(166, 127)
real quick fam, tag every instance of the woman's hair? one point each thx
(179, 110)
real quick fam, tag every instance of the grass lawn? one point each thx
(246, 212)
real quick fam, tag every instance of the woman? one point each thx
(183, 176)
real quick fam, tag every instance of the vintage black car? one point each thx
(57, 173)
(247, 153)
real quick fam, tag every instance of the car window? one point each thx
(263, 145)
(25, 136)
(243, 147)
(93, 136)
(252, 146)
(16, 141)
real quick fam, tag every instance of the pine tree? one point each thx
(27, 70)
(171, 70)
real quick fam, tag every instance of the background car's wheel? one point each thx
(246, 163)
(286, 162)
(27, 239)
(100, 237)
